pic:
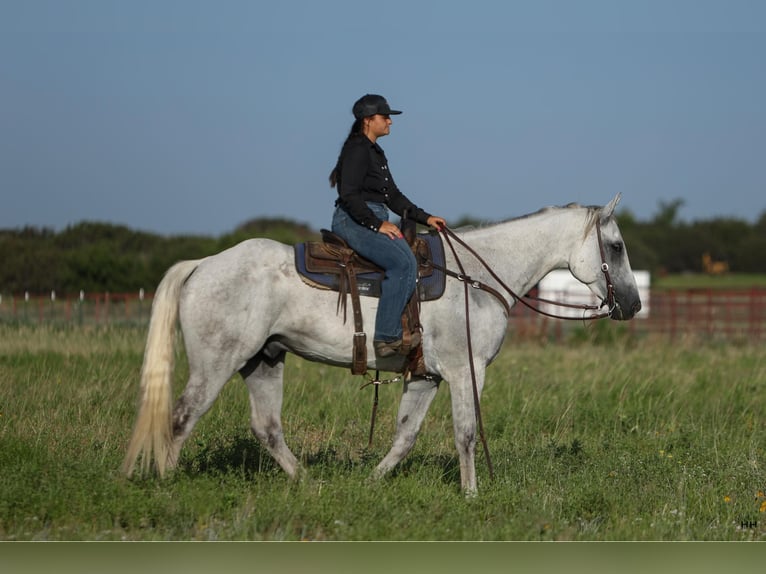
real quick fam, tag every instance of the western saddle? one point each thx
(333, 256)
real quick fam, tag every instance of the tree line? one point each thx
(102, 257)
(666, 245)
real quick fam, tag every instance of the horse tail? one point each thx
(153, 433)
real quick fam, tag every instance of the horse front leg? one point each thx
(416, 398)
(263, 376)
(464, 425)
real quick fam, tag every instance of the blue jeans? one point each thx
(393, 255)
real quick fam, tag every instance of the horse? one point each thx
(243, 309)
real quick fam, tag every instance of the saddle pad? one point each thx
(429, 288)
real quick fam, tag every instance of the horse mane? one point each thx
(592, 215)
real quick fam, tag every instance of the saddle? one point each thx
(332, 264)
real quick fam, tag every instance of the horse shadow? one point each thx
(449, 467)
(240, 455)
(246, 457)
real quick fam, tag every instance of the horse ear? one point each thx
(608, 210)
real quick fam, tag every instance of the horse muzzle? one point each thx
(620, 313)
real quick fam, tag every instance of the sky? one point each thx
(193, 117)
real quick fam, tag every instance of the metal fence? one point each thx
(706, 313)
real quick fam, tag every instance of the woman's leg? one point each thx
(398, 284)
(393, 255)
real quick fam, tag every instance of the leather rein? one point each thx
(449, 235)
(609, 301)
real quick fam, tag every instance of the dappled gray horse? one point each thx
(243, 309)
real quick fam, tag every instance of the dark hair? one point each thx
(356, 129)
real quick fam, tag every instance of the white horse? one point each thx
(243, 309)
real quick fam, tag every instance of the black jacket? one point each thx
(363, 175)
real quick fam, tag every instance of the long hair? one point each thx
(356, 129)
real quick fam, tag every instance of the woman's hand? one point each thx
(388, 228)
(436, 222)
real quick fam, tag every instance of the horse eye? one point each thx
(617, 247)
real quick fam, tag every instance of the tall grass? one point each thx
(598, 439)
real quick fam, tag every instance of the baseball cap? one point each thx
(371, 104)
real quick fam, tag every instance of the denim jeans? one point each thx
(393, 255)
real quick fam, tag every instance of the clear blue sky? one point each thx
(184, 116)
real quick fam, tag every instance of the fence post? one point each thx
(79, 307)
(754, 313)
(672, 302)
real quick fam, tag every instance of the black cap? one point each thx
(371, 104)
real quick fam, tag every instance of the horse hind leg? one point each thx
(263, 376)
(197, 398)
(416, 398)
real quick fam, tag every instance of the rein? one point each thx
(609, 301)
(475, 388)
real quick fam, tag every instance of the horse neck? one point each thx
(522, 251)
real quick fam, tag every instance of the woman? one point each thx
(366, 191)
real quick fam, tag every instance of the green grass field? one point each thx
(703, 281)
(628, 440)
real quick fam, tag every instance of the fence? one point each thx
(673, 313)
(83, 309)
(707, 313)
(732, 313)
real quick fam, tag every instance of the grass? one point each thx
(597, 439)
(704, 281)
